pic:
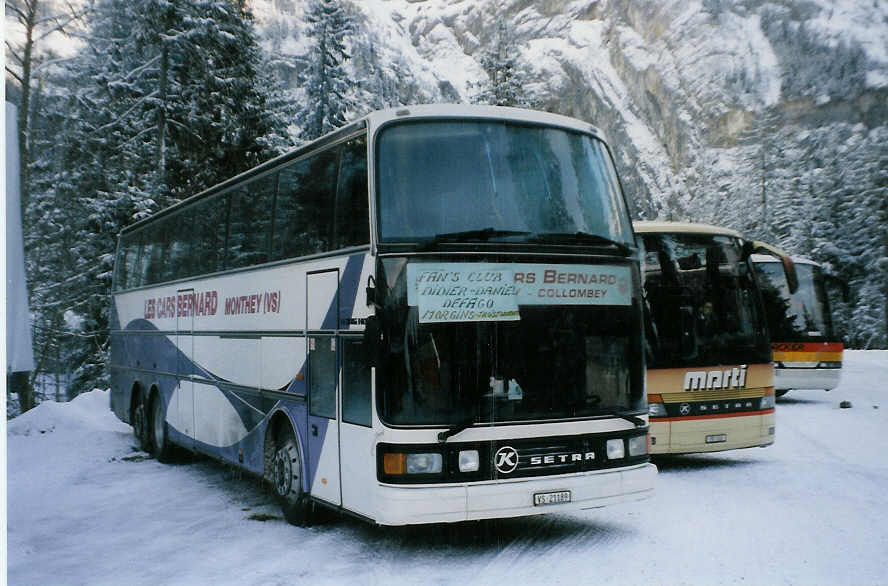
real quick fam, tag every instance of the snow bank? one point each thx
(88, 411)
(85, 507)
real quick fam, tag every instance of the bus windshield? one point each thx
(501, 180)
(552, 362)
(801, 316)
(703, 301)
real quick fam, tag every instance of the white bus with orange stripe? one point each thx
(807, 353)
(709, 374)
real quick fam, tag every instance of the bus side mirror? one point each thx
(789, 270)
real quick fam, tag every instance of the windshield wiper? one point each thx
(468, 235)
(442, 436)
(580, 238)
(638, 421)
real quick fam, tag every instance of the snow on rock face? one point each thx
(672, 83)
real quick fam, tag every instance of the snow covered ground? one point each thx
(84, 507)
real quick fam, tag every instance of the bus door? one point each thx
(357, 453)
(322, 315)
(183, 398)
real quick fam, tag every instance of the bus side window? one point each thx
(155, 253)
(352, 215)
(250, 223)
(128, 263)
(209, 235)
(181, 231)
(304, 213)
(355, 384)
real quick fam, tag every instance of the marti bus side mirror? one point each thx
(789, 270)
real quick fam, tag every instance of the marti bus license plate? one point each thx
(551, 498)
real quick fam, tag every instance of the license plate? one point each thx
(551, 498)
(716, 439)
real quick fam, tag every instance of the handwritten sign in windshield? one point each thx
(465, 292)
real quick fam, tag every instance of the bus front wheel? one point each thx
(286, 478)
(160, 443)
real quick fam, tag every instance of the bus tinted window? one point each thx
(180, 229)
(355, 384)
(128, 261)
(250, 223)
(449, 177)
(308, 207)
(703, 301)
(155, 253)
(352, 215)
(209, 235)
(804, 314)
(304, 214)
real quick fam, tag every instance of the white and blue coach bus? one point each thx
(430, 315)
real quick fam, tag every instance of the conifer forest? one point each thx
(769, 118)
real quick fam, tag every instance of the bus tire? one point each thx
(140, 422)
(160, 443)
(286, 479)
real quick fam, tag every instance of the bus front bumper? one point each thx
(409, 505)
(716, 434)
(806, 378)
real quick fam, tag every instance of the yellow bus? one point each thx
(710, 379)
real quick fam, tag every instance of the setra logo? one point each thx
(506, 459)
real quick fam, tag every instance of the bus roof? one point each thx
(795, 259)
(480, 112)
(647, 227)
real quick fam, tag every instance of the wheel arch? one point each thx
(278, 423)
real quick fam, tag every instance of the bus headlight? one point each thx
(424, 463)
(656, 409)
(767, 402)
(615, 449)
(395, 464)
(469, 461)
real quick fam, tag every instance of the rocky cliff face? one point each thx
(675, 85)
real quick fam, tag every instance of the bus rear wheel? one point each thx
(286, 478)
(160, 443)
(140, 423)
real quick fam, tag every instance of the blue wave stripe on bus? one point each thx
(167, 357)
